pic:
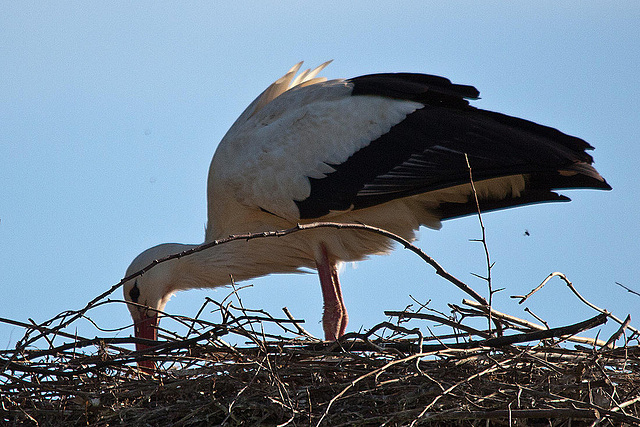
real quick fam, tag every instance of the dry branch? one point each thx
(577, 294)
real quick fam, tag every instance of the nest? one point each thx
(252, 368)
(391, 375)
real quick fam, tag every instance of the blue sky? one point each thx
(110, 113)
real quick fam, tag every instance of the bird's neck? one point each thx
(231, 262)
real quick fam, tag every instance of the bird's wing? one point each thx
(350, 144)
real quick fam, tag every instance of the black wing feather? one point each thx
(426, 152)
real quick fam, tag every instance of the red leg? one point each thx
(345, 317)
(335, 318)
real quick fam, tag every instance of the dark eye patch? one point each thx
(134, 293)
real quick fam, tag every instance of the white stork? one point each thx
(387, 150)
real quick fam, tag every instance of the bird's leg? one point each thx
(336, 284)
(335, 318)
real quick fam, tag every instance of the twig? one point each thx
(625, 404)
(547, 333)
(457, 325)
(611, 341)
(576, 293)
(530, 325)
(301, 330)
(628, 289)
(538, 318)
(483, 241)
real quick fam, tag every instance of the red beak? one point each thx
(146, 328)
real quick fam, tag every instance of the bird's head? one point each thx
(147, 295)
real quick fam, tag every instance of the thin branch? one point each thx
(302, 331)
(531, 325)
(444, 321)
(628, 289)
(577, 294)
(483, 240)
(611, 341)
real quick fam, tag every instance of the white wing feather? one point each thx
(268, 155)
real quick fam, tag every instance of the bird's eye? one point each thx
(134, 293)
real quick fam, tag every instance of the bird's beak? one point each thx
(146, 328)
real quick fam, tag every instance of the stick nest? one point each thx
(390, 375)
(251, 368)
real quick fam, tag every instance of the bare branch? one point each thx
(576, 293)
(628, 289)
(483, 241)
